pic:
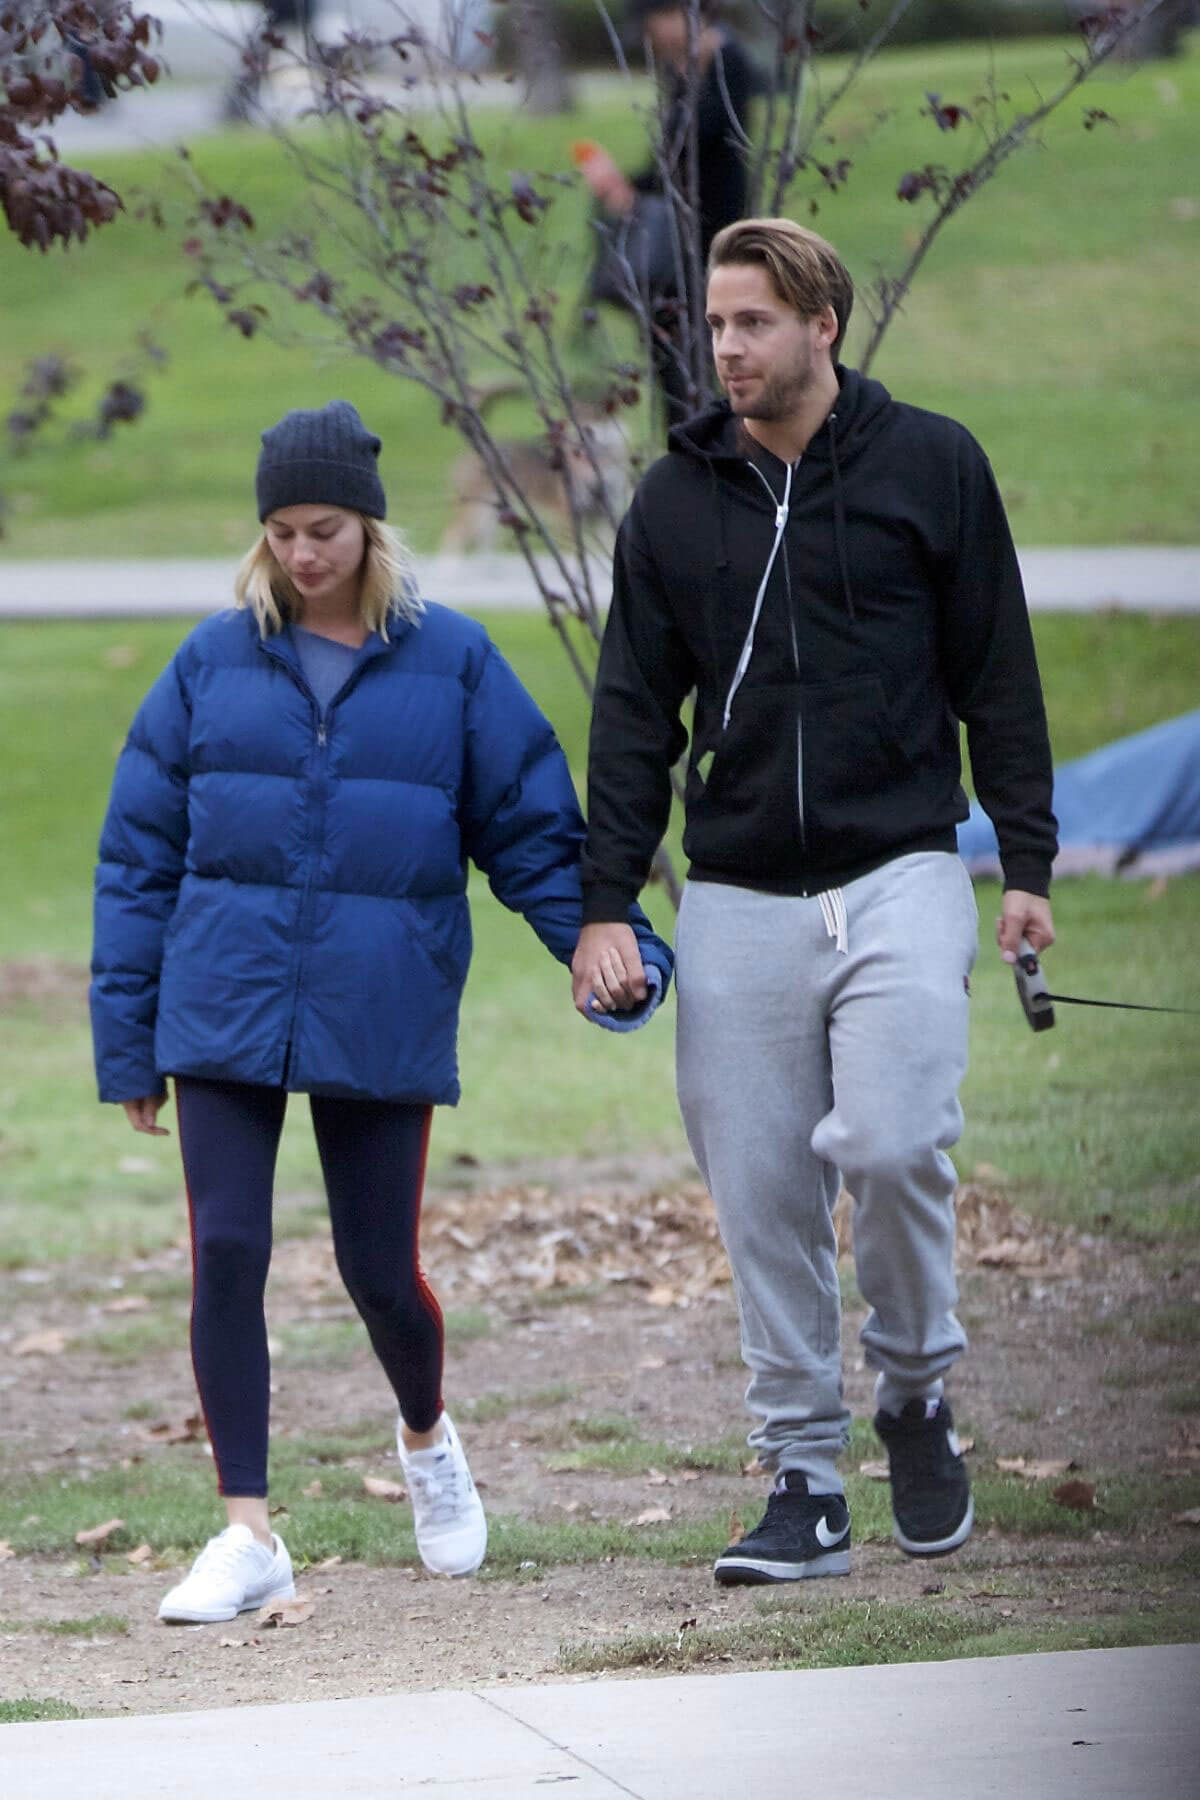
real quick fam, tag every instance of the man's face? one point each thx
(667, 30)
(767, 357)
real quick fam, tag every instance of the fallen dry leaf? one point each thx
(313, 1491)
(1031, 1469)
(653, 1362)
(653, 1515)
(1079, 1496)
(753, 1468)
(1010, 1253)
(875, 1471)
(188, 1430)
(737, 1530)
(379, 1489)
(143, 1554)
(330, 1562)
(1190, 1517)
(662, 1296)
(965, 1446)
(689, 1475)
(127, 1303)
(99, 1534)
(6, 1550)
(230, 1643)
(656, 1478)
(285, 1612)
(40, 1343)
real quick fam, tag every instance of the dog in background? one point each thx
(595, 467)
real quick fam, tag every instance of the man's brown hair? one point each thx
(807, 272)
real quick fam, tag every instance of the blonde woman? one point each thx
(281, 907)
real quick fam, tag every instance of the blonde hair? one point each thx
(805, 269)
(389, 587)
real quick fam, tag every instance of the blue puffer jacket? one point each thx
(284, 902)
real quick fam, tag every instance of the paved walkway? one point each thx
(1080, 1725)
(1137, 580)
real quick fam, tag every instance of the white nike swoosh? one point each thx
(952, 1440)
(826, 1538)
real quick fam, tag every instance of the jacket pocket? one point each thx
(445, 964)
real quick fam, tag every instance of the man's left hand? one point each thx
(1023, 916)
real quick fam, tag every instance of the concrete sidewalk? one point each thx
(1079, 1725)
(1149, 579)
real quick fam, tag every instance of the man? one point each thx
(726, 81)
(833, 575)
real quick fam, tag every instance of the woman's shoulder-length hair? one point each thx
(389, 584)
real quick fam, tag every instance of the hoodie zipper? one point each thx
(781, 517)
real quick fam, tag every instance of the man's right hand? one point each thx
(606, 970)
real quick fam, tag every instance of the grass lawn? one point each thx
(1094, 1122)
(1055, 316)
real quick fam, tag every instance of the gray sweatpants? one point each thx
(816, 1036)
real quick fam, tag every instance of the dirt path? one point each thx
(579, 1307)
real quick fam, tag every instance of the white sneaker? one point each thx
(232, 1574)
(447, 1512)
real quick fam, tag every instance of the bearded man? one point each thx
(831, 573)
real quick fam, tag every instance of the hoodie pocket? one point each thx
(743, 813)
(856, 772)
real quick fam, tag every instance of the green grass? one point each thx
(27, 1712)
(1054, 315)
(94, 1626)
(499, 1404)
(1092, 1122)
(168, 1501)
(873, 1631)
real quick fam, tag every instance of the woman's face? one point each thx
(321, 549)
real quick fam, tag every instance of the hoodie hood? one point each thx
(715, 435)
(716, 438)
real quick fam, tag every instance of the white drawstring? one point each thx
(833, 911)
(781, 514)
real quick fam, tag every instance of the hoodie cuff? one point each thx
(1028, 874)
(604, 903)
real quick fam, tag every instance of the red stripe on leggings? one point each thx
(423, 1288)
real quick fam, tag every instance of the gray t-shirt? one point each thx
(325, 663)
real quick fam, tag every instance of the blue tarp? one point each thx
(1132, 808)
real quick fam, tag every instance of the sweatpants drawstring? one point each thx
(833, 911)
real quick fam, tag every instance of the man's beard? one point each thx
(780, 394)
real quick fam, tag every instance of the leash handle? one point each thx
(1036, 999)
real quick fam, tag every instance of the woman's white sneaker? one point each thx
(232, 1574)
(447, 1511)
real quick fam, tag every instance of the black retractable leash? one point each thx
(1038, 1001)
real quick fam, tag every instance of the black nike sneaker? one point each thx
(932, 1512)
(801, 1535)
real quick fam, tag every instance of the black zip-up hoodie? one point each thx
(825, 739)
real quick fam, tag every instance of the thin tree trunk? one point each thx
(545, 82)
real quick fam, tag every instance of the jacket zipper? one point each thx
(302, 918)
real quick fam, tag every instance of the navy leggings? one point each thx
(373, 1157)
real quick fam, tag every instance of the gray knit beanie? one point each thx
(320, 458)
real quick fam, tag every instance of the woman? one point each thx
(281, 907)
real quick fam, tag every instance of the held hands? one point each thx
(606, 970)
(1023, 915)
(142, 1114)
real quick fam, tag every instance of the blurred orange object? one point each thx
(583, 150)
